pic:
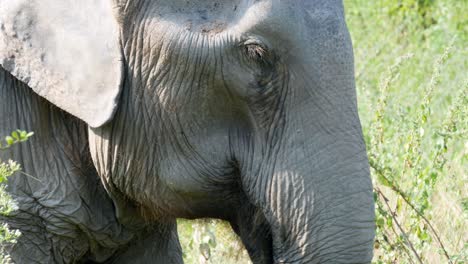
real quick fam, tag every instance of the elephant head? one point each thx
(240, 110)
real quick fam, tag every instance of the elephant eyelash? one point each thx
(255, 52)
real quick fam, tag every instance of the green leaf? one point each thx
(389, 222)
(464, 204)
(15, 135)
(425, 236)
(399, 204)
(384, 181)
(380, 222)
(10, 141)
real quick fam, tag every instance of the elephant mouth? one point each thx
(255, 232)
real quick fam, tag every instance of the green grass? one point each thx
(412, 83)
(210, 241)
(412, 86)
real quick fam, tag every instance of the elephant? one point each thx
(145, 111)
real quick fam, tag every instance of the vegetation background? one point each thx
(7, 204)
(412, 83)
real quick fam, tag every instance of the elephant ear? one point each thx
(67, 51)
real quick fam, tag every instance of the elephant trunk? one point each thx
(317, 199)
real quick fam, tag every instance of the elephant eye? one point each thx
(257, 52)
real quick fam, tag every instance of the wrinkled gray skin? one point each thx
(65, 215)
(239, 110)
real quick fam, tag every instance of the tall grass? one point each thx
(414, 119)
(412, 82)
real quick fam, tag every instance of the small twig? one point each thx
(398, 224)
(405, 249)
(452, 134)
(402, 194)
(30, 176)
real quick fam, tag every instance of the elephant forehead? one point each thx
(286, 25)
(208, 17)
